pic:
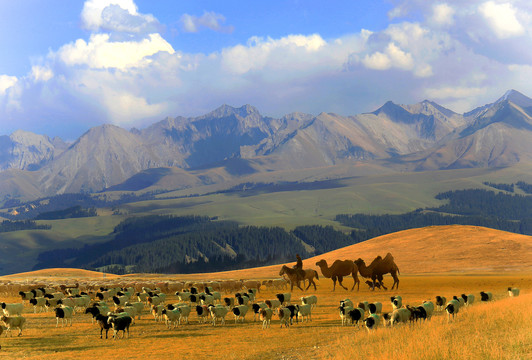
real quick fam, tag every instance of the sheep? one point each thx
(344, 313)
(12, 309)
(441, 301)
(217, 296)
(253, 291)
(386, 318)
(429, 308)
(81, 301)
(13, 322)
(375, 308)
(218, 312)
(273, 304)
(397, 302)
(243, 299)
(67, 302)
(183, 295)
(156, 311)
(171, 317)
(417, 312)
(346, 302)
(229, 302)
(363, 305)
(120, 323)
(468, 299)
(355, 315)
(486, 296)
(257, 307)
(452, 308)
(139, 306)
(142, 297)
(265, 315)
(513, 292)
(64, 313)
(206, 299)
(460, 300)
(157, 299)
(284, 316)
(102, 320)
(184, 310)
(26, 295)
(129, 310)
(120, 300)
(51, 303)
(372, 322)
(194, 299)
(284, 298)
(203, 313)
(400, 315)
(304, 311)
(96, 310)
(311, 300)
(240, 312)
(293, 313)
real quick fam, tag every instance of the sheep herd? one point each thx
(116, 307)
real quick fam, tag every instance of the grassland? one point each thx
(498, 330)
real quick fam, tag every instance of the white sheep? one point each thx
(156, 311)
(13, 322)
(460, 300)
(64, 313)
(218, 312)
(344, 313)
(284, 316)
(375, 308)
(171, 317)
(12, 309)
(38, 303)
(240, 312)
(273, 304)
(400, 315)
(469, 299)
(257, 307)
(452, 308)
(429, 308)
(310, 300)
(486, 296)
(284, 298)
(372, 322)
(346, 302)
(139, 306)
(441, 301)
(397, 302)
(513, 292)
(364, 305)
(304, 311)
(356, 315)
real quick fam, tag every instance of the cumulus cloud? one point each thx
(209, 20)
(99, 52)
(41, 73)
(118, 16)
(443, 14)
(502, 18)
(6, 82)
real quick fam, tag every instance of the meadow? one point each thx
(495, 330)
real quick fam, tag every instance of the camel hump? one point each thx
(389, 257)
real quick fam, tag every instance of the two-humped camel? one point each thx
(338, 270)
(379, 267)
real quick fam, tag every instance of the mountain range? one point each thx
(231, 145)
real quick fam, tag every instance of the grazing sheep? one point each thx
(397, 302)
(344, 313)
(375, 308)
(273, 304)
(13, 322)
(96, 310)
(441, 301)
(229, 302)
(460, 300)
(203, 313)
(284, 316)
(355, 315)
(512, 292)
(67, 302)
(346, 303)
(372, 322)
(311, 300)
(139, 306)
(386, 318)
(468, 299)
(218, 312)
(12, 309)
(400, 315)
(486, 296)
(156, 311)
(120, 323)
(305, 312)
(171, 317)
(417, 312)
(243, 299)
(64, 313)
(257, 307)
(142, 297)
(429, 308)
(120, 301)
(26, 295)
(206, 299)
(265, 315)
(51, 303)
(452, 308)
(284, 298)
(240, 312)
(102, 321)
(363, 305)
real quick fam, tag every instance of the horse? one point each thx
(292, 276)
(310, 274)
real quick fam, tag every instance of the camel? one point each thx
(292, 275)
(338, 270)
(378, 268)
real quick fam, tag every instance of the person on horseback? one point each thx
(300, 272)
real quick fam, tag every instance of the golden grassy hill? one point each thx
(59, 273)
(429, 250)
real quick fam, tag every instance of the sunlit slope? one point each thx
(434, 249)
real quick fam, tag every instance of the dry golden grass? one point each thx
(499, 330)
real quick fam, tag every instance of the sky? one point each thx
(67, 66)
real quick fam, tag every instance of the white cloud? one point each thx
(443, 14)
(117, 16)
(41, 73)
(7, 82)
(502, 18)
(209, 20)
(101, 53)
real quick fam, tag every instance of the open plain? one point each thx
(496, 330)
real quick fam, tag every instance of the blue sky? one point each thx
(67, 66)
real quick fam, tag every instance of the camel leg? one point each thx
(334, 282)
(356, 281)
(395, 281)
(340, 279)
